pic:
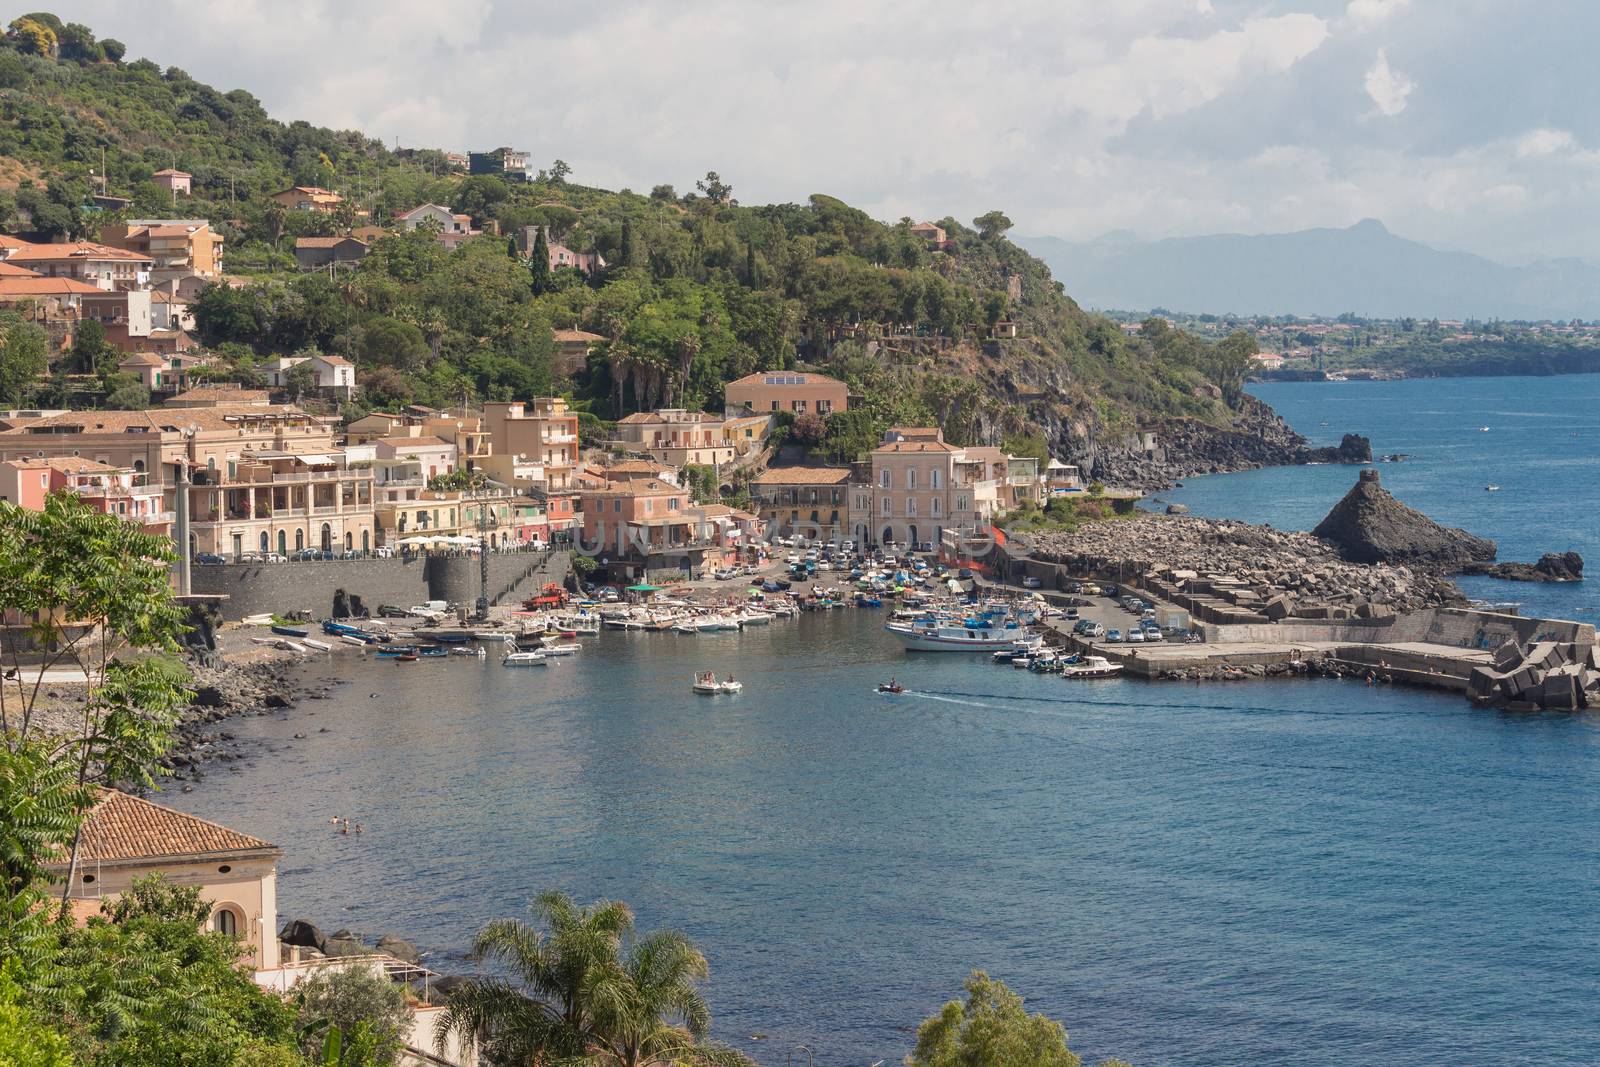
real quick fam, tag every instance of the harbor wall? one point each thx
(255, 588)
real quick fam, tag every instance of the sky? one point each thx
(1467, 124)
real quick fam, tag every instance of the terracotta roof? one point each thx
(984, 454)
(414, 442)
(638, 417)
(74, 250)
(65, 464)
(633, 466)
(172, 173)
(760, 378)
(10, 270)
(219, 394)
(802, 476)
(45, 287)
(577, 335)
(916, 445)
(221, 417)
(638, 487)
(123, 828)
(142, 359)
(334, 361)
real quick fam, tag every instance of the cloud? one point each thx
(1387, 87)
(1364, 14)
(1076, 116)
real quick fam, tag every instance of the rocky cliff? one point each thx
(1370, 526)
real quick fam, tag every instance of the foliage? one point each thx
(582, 984)
(701, 481)
(991, 1029)
(95, 592)
(26, 1040)
(24, 354)
(459, 479)
(145, 985)
(368, 1010)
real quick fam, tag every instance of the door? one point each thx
(238, 545)
(327, 538)
(283, 542)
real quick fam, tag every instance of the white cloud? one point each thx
(1364, 14)
(1387, 87)
(1543, 142)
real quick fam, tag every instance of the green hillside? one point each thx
(700, 289)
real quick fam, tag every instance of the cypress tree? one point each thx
(628, 252)
(540, 265)
(511, 247)
(750, 278)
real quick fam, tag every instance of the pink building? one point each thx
(793, 391)
(119, 491)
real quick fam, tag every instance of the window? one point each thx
(961, 503)
(884, 480)
(911, 505)
(672, 503)
(225, 922)
(616, 505)
(797, 405)
(933, 479)
(933, 506)
(911, 479)
(886, 507)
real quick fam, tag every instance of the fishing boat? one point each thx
(524, 659)
(291, 631)
(409, 657)
(392, 651)
(320, 646)
(891, 687)
(350, 639)
(433, 650)
(493, 635)
(1092, 667)
(946, 635)
(478, 652)
(567, 648)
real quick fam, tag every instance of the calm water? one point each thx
(1298, 872)
(1542, 448)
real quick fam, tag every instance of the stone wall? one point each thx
(253, 588)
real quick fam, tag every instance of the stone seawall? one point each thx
(254, 588)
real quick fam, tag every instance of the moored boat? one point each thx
(525, 659)
(290, 631)
(1092, 667)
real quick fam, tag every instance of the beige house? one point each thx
(916, 492)
(125, 838)
(812, 501)
(541, 431)
(178, 248)
(676, 437)
(308, 198)
(176, 182)
(793, 391)
(99, 265)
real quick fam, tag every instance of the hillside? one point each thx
(699, 289)
(1363, 269)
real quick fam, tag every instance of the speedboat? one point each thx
(731, 686)
(891, 687)
(1491, 489)
(525, 659)
(706, 682)
(1092, 667)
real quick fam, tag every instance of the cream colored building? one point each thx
(125, 838)
(916, 491)
(676, 437)
(798, 392)
(542, 431)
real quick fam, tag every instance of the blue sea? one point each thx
(1296, 872)
(1538, 439)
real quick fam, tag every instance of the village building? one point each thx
(99, 265)
(916, 493)
(796, 392)
(560, 255)
(178, 248)
(676, 437)
(308, 198)
(176, 182)
(812, 501)
(110, 490)
(320, 253)
(507, 161)
(572, 348)
(450, 228)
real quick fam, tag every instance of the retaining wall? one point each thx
(254, 588)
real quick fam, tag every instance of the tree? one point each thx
(31, 35)
(559, 171)
(581, 985)
(26, 1040)
(126, 391)
(90, 352)
(808, 429)
(98, 593)
(1029, 445)
(992, 224)
(146, 984)
(368, 1011)
(113, 49)
(24, 355)
(664, 192)
(990, 1030)
(701, 481)
(539, 264)
(715, 189)
(389, 342)
(627, 249)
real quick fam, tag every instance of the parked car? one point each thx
(210, 559)
(1072, 613)
(252, 557)
(1030, 582)
(926, 546)
(1134, 635)
(724, 574)
(384, 552)
(391, 611)
(1113, 635)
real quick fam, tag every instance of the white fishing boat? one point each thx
(582, 625)
(716, 623)
(686, 626)
(320, 646)
(347, 639)
(525, 659)
(944, 635)
(754, 618)
(493, 635)
(1091, 667)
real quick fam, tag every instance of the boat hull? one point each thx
(950, 640)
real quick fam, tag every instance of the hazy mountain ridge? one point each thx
(1363, 268)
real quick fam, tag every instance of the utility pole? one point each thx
(483, 560)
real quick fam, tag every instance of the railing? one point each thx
(325, 509)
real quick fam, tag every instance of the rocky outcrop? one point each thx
(1552, 567)
(1251, 572)
(1543, 674)
(1371, 526)
(1352, 448)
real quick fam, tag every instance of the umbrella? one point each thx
(642, 588)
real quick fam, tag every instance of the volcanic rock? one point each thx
(1552, 567)
(302, 932)
(1352, 448)
(1371, 526)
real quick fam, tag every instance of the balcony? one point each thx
(559, 438)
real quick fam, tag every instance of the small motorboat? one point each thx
(525, 659)
(478, 653)
(409, 657)
(891, 687)
(565, 648)
(1092, 667)
(493, 635)
(433, 650)
(1491, 489)
(291, 631)
(706, 683)
(731, 686)
(392, 651)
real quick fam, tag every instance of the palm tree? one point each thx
(572, 997)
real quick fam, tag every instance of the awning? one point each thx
(314, 459)
(643, 588)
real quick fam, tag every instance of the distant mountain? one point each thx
(1363, 269)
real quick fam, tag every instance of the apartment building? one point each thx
(177, 248)
(110, 490)
(792, 391)
(812, 501)
(676, 437)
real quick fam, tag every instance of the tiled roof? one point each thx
(414, 442)
(74, 250)
(65, 464)
(172, 173)
(760, 378)
(169, 420)
(802, 476)
(217, 394)
(638, 417)
(335, 361)
(325, 242)
(45, 287)
(576, 335)
(142, 359)
(123, 828)
(11, 270)
(915, 445)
